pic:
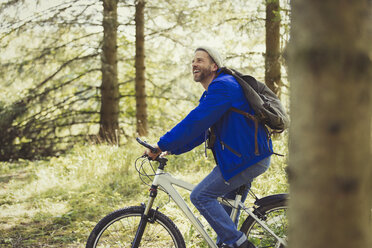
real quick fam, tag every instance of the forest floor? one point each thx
(57, 202)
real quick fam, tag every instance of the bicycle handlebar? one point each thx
(147, 145)
(162, 161)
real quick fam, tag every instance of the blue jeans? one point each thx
(204, 197)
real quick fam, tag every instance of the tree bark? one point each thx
(109, 114)
(330, 133)
(272, 63)
(141, 106)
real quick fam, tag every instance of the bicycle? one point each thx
(144, 226)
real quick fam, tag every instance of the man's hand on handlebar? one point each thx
(154, 155)
(152, 151)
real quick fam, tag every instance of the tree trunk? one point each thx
(330, 133)
(141, 107)
(272, 63)
(109, 124)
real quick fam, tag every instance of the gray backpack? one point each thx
(268, 109)
(266, 105)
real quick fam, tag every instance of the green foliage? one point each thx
(51, 62)
(8, 114)
(50, 79)
(57, 202)
(64, 197)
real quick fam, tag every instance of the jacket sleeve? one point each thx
(188, 147)
(190, 131)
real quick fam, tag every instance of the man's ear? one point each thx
(215, 67)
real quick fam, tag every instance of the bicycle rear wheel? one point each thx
(276, 218)
(118, 229)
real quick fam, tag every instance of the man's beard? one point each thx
(203, 74)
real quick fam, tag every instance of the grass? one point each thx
(57, 202)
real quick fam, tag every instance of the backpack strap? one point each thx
(255, 120)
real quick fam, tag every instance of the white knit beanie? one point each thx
(216, 57)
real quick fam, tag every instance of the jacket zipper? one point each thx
(230, 149)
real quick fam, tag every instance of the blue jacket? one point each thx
(234, 149)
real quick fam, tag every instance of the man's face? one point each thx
(202, 66)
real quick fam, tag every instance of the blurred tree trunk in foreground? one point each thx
(141, 107)
(109, 123)
(272, 63)
(330, 134)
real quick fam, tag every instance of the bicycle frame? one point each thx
(167, 181)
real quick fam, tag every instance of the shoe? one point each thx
(246, 244)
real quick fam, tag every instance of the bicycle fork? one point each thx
(145, 217)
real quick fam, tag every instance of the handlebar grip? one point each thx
(147, 145)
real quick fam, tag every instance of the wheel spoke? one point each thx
(119, 229)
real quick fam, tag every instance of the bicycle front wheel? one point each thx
(275, 217)
(119, 228)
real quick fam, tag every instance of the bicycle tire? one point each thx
(118, 229)
(276, 217)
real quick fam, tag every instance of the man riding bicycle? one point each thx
(234, 148)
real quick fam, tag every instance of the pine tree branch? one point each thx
(65, 64)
